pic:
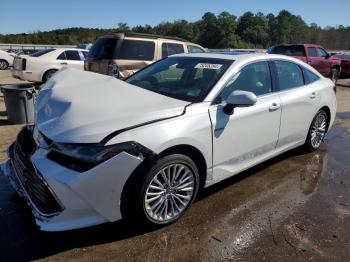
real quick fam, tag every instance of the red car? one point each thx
(315, 55)
(345, 64)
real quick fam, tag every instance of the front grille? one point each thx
(31, 181)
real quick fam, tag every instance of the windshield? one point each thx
(184, 78)
(41, 52)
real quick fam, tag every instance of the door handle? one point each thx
(313, 95)
(64, 63)
(274, 107)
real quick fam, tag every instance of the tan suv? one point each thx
(123, 54)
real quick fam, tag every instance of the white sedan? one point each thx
(6, 59)
(41, 65)
(142, 149)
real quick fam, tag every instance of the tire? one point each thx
(334, 75)
(142, 194)
(317, 131)
(48, 74)
(3, 64)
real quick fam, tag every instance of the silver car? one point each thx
(103, 149)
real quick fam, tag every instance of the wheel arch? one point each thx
(328, 112)
(45, 72)
(184, 149)
(338, 67)
(193, 153)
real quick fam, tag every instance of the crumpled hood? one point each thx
(83, 107)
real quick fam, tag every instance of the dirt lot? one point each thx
(292, 208)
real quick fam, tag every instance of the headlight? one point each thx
(96, 153)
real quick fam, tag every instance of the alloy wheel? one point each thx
(318, 130)
(169, 193)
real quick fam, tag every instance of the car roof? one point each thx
(247, 58)
(68, 48)
(238, 57)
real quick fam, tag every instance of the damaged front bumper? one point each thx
(64, 199)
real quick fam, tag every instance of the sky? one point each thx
(26, 16)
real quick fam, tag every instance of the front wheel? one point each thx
(165, 192)
(317, 131)
(3, 64)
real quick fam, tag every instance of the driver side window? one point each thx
(254, 78)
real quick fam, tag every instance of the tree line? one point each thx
(212, 31)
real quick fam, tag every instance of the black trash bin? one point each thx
(19, 102)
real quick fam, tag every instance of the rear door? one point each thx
(71, 58)
(250, 133)
(74, 59)
(298, 102)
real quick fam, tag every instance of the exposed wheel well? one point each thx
(136, 176)
(44, 75)
(336, 67)
(192, 153)
(328, 112)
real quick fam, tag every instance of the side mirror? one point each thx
(327, 56)
(239, 98)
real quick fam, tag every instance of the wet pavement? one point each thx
(295, 207)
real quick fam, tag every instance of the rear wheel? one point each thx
(3, 64)
(334, 75)
(317, 131)
(164, 194)
(48, 74)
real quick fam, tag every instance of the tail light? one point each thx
(24, 64)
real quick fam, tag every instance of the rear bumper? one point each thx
(27, 75)
(84, 199)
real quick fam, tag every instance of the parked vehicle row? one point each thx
(123, 54)
(314, 55)
(103, 149)
(41, 65)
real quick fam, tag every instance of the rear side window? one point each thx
(254, 78)
(289, 75)
(310, 76)
(290, 50)
(72, 55)
(312, 51)
(171, 49)
(62, 56)
(194, 49)
(103, 49)
(136, 50)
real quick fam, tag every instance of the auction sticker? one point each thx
(208, 66)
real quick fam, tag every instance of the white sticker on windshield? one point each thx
(208, 66)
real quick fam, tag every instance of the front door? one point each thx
(250, 133)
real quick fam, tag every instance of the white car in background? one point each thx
(143, 148)
(41, 65)
(6, 59)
